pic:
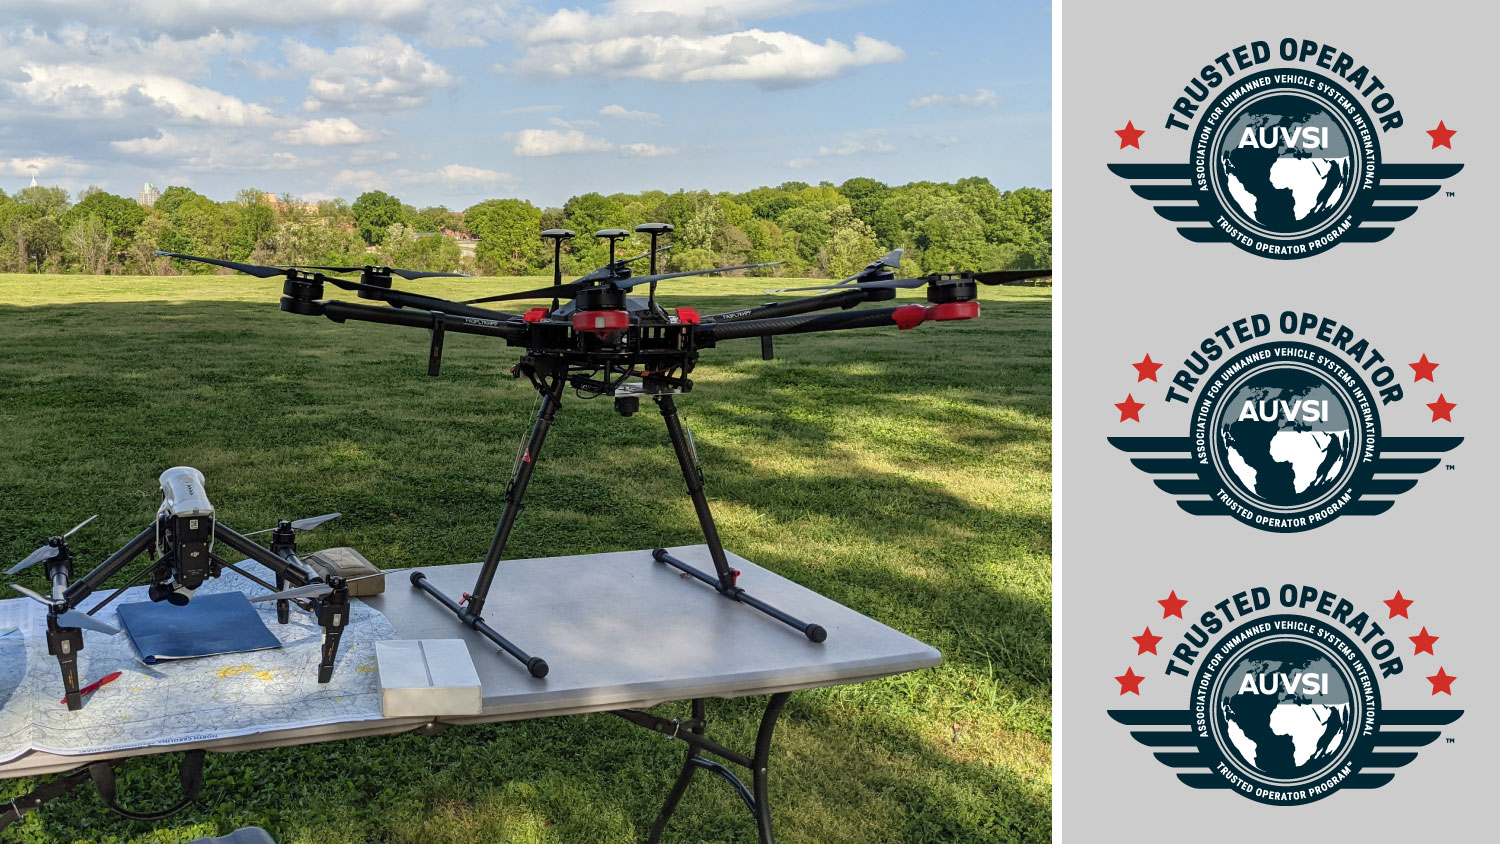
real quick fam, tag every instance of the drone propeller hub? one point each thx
(605, 297)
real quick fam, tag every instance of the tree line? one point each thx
(822, 230)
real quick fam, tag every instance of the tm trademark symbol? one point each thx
(1449, 193)
(1448, 740)
(1450, 467)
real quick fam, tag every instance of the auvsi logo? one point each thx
(1284, 425)
(1284, 702)
(1284, 156)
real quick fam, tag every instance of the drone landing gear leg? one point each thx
(725, 581)
(514, 493)
(64, 643)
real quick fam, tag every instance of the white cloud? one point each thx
(865, 143)
(533, 143)
(444, 23)
(983, 98)
(571, 124)
(460, 174)
(852, 146)
(626, 114)
(42, 166)
(531, 109)
(330, 131)
(646, 150)
(686, 42)
(208, 153)
(77, 90)
(449, 175)
(383, 74)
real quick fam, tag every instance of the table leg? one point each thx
(757, 798)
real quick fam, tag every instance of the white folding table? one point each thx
(621, 632)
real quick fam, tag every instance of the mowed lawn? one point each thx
(905, 474)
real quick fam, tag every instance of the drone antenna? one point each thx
(614, 236)
(655, 230)
(557, 236)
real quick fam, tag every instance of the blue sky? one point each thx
(449, 103)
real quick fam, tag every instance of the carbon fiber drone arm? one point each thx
(903, 317)
(841, 299)
(463, 320)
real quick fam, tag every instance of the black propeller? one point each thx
(406, 274)
(270, 272)
(991, 277)
(311, 590)
(48, 551)
(70, 618)
(570, 290)
(308, 523)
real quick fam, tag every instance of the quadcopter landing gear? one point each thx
(65, 643)
(724, 580)
(514, 493)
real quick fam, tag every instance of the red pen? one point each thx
(94, 686)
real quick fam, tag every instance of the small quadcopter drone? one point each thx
(607, 342)
(180, 543)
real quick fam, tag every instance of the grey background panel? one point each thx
(1130, 285)
(619, 630)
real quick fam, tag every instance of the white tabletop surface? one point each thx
(618, 630)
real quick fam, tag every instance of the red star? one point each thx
(1146, 369)
(1129, 682)
(1147, 642)
(1131, 136)
(1398, 605)
(1442, 136)
(1441, 682)
(1172, 605)
(1131, 409)
(1423, 642)
(1423, 368)
(1441, 409)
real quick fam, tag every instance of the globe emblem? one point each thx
(1285, 436)
(1284, 711)
(1285, 165)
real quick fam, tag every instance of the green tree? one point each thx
(508, 232)
(865, 196)
(120, 217)
(851, 244)
(44, 201)
(374, 212)
(42, 244)
(90, 242)
(587, 214)
(407, 248)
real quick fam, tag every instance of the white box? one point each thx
(427, 677)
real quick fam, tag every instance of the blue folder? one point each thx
(218, 623)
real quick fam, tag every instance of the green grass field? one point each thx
(907, 475)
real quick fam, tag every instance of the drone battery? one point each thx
(427, 677)
(348, 564)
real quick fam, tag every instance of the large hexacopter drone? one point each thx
(606, 342)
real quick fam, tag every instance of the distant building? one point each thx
(271, 200)
(148, 195)
(33, 178)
